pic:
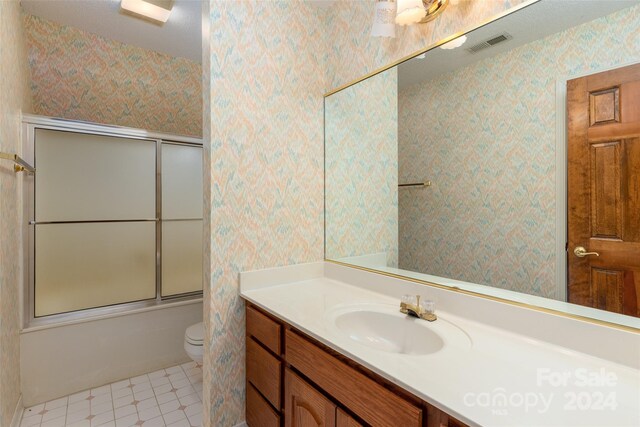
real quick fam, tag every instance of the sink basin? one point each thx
(383, 328)
(390, 333)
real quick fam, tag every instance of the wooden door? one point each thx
(604, 190)
(305, 406)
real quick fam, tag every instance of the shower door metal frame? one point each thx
(31, 123)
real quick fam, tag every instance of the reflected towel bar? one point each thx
(19, 164)
(415, 184)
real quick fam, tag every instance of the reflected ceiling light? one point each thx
(418, 11)
(457, 42)
(156, 10)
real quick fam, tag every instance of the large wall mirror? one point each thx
(505, 162)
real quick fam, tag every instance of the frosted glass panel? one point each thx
(182, 194)
(181, 257)
(81, 266)
(90, 177)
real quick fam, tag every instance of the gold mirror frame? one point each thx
(453, 288)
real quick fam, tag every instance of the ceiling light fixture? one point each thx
(156, 10)
(457, 42)
(418, 11)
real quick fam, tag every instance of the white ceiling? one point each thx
(531, 23)
(180, 36)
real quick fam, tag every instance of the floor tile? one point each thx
(156, 422)
(56, 422)
(157, 374)
(159, 381)
(150, 413)
(77, 417)
(174, 416)
(196, 419)
(81, 406)
(120, 385)
(103, 418)
(79, 396)
(53, 404)
(101, 408)
(185, 391)
(193, 409)
(116, 394)
(189, 399)
(101, 390)
(140, 379)
(33, 420)
(174, 370)
(127, 421)
(125, 410)
(167, 397)
(142, 395)
(162, 389)
(101, 399)
(181, 423)
(148, 403)
(165, 408)
(54, 413)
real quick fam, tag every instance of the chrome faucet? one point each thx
(411, 306)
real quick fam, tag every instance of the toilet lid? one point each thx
(195, 334)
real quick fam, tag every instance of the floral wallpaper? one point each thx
(353, 53)
(489, 217)
(270, 63)
(81, 76)
(361, 169)
(14, 99)
(266, 169)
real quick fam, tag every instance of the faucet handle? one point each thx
(428, 306)
(408, 299)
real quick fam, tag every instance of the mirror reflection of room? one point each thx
(483, 186)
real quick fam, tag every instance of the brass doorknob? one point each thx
(582, 252)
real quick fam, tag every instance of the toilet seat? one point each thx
(194, 334)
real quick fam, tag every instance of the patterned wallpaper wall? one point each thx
(353, 53)
(489, 218)
(271, 62)
(81, 76)
(266, 166)
(361, 169)
(14, 99)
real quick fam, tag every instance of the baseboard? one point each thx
(17, 414)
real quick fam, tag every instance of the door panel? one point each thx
(604, 190)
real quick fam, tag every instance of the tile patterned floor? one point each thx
(169, 397)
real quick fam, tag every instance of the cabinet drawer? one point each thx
(366, 398)
(263, 371)
(263, 329)
(259, 412)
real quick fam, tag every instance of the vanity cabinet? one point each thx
(295, 381)
(306, 406)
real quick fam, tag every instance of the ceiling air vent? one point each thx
(491, 42)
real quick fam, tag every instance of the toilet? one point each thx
(193, 340)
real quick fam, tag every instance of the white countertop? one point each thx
(503, 378)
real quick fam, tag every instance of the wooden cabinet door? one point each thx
(604, 190)
(305, 406)
(344, 420)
